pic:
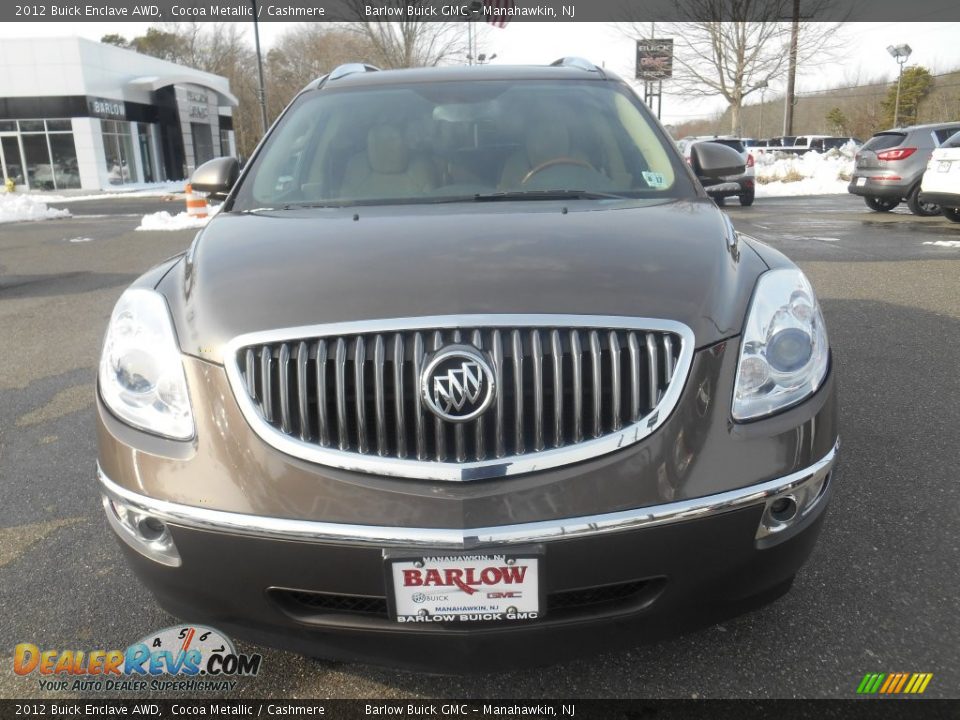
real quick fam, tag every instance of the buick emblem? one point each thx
(457, 383)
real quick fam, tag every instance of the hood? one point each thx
(254, 272)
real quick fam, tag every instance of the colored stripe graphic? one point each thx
(894, 683)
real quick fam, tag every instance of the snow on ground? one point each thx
(781, 175)
(130, 190)
(16, 207)
(943, 243)
(181, 221)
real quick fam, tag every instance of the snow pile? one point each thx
(780, 174)
(181, 221)
(16, 207)
(130, 190)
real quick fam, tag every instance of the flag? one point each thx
(491, 8)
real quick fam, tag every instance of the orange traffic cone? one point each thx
(196, 202)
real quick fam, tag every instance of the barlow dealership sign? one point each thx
(655, 59)
(106, 108)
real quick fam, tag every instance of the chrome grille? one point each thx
(348, 395)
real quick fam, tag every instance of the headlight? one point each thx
(784, 355)
(141, 373)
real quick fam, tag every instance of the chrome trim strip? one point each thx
(452, 471)
(443, 538)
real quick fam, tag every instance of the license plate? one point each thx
(861, 181)
(465, 588)
(943, 166)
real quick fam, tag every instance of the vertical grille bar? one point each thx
(323, 422)
(668, 359)
(266, 377)
(380, 421)
(439, 432)
(285, 422)
(536, 353)
(634, 346)
(302, 402)
(460, 445)
(250, 362)
(477, 341)
(420, 430)
(595, 373)
(517, 342)
(359, 390)
(556, 353)
(577, 358)
(614, 381)
(499, 444)
(341, 382)
(652, 370)
(398, 395)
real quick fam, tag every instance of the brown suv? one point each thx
(468, 371)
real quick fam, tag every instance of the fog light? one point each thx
(793, 503)
(146, 534)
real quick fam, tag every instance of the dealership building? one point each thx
(75, 113)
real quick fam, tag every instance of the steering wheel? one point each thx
(556, 161)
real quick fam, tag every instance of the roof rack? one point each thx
(576, 62)
(346, 69)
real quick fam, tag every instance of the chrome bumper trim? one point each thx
(460, 539)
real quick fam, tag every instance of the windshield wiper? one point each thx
(546, 195)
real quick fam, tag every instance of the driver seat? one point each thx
(542, 142)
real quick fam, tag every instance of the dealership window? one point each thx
(118, 152)
(41, 154)
(146, 152)
(202, 143)
(224, 143)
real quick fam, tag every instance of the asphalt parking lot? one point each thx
(878, 595)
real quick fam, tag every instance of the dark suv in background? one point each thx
(889, 167)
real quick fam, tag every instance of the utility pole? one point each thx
(789, 100)
(261, 92)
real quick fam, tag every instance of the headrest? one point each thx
(386, 150)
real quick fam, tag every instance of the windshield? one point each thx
(433, 142)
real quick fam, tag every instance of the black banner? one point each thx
(874, 709)
(479, 10)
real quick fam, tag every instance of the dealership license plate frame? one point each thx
(397, 558)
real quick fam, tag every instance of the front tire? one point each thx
(720, 201)
(922, 209)
(746, 199)
(951, 214)
(878, 204)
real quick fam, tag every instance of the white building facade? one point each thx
(78, 114)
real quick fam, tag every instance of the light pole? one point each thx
(762, 86)
(261, 93)
(900, 53)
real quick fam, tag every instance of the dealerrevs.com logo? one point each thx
(179, 658)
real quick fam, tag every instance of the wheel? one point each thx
(746, 199)
(951, 214)
(917, 207)
(878, 204)
(720, 201)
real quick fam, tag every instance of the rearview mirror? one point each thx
(713, 160)
(216, 177)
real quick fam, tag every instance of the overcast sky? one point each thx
(864, 57)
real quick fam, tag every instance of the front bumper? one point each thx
(611, 580)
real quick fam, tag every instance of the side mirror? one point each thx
(713, 160)
(216, 177)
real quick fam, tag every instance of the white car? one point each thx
(941, 180)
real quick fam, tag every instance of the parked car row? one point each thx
(889, 169)
(800, 144)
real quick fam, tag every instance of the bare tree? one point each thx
(734, 48)
(406, 41)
